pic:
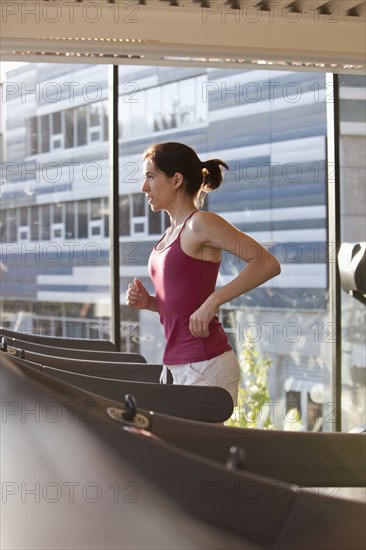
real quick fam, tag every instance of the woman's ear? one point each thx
(178, 180)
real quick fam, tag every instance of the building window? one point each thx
(57, 213)
(57, 138)
(138, 220)
(171, 106)
(58, 231)
(154, 223)
(58, 226)
(96, 221)
(11, 226)
(82, 219)
(106, 216)
(70, 220)
(33, 135)
(45, 233)
(45, 134)
(124, 216)
(105, 120)
(35, 223)
(23, 226)
(69, 128)
(81, 115)
(95, 124)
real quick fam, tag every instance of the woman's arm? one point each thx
(216, 233)
(138, 297)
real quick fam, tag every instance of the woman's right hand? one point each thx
(137, 296)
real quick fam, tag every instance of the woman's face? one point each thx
(160, 190)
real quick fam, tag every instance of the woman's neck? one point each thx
(179, 215)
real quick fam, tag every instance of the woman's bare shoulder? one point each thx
(208, 226)
(205, 218)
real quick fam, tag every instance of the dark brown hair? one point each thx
(174, 157)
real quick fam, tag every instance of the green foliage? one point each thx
(252, 410)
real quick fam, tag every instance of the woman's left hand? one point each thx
(199, 320)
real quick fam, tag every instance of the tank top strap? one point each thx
(184, 224)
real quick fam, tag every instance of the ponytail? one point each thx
(212, 174)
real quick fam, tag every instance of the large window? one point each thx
(271, 128)
(352, 142)
(54, 205)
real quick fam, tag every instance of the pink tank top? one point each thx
(182, 284)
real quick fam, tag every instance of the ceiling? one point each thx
(314, 35)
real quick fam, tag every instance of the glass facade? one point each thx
(352, 143)
(54, 201)
(270, 127)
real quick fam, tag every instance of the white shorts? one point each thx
(222, 371)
